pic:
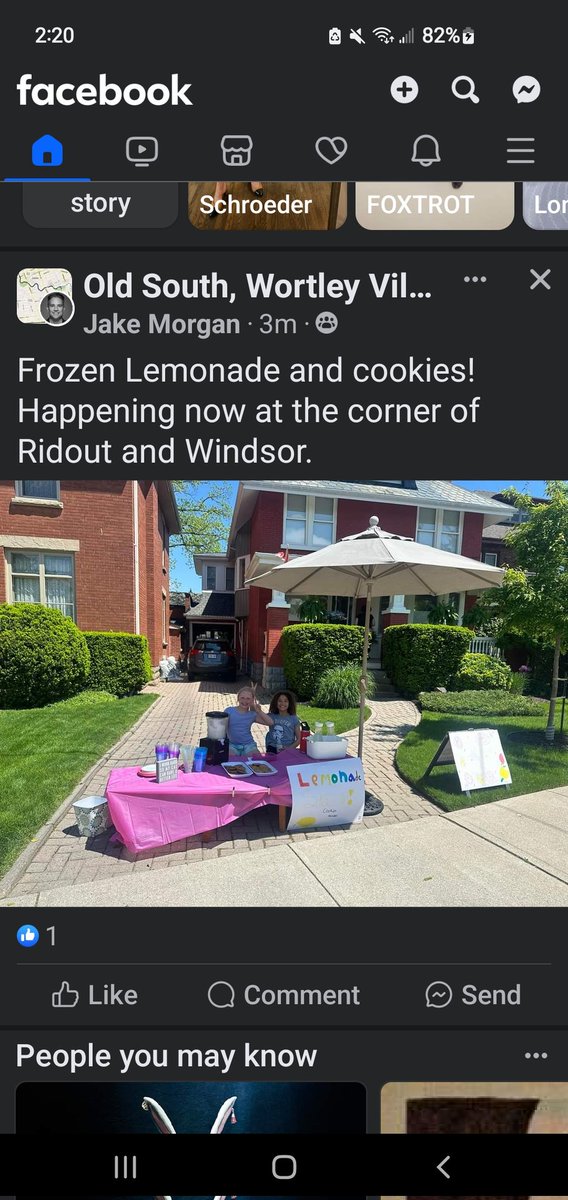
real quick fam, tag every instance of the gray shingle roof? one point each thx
(425, 491)
(213, 604)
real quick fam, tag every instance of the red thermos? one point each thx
(306, 731)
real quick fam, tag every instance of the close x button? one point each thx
(540, 279)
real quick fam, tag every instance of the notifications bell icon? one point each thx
(426, 150)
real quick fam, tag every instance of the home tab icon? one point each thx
(47, 152)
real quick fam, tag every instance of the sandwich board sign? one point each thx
(326, 793)
(478, 757)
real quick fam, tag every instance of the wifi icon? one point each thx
(383, 34)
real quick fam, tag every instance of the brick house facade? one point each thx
(301, 516)
(98, 550)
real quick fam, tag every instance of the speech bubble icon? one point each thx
(438, 994)
(221, 994)
(526, 89)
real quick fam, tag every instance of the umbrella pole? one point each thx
(373, 806)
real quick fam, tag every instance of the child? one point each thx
(246, 713)
(286, 730)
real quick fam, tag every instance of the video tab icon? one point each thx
(142, 150)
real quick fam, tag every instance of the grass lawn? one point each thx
(533, 765)
(344, 718)
(46, 751)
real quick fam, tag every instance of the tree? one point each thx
(205, 515)
(533, 599)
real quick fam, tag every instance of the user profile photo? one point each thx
(44, 296)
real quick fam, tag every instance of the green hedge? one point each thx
(481, 672)
(483, 704)
(418, 658)
(338, 687)
(43, 656)
(120, 662)
(309, 650)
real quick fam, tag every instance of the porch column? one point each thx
(397, 613)
(277, 614)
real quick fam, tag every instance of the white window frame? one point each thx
(310, 516)
(490, 558)
(23, 499)
(165, 621)
(245, 560)
(439, 523)
(41, 575)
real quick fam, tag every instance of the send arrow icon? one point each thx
(441, 1166)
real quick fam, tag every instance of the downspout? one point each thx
(136, 549)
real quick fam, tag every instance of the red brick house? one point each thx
(97, 550)
(303, 515)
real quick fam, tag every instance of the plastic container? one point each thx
(318, 731)
(327, 747)
(92, 815)
(161, 751)
(199, 758)
(330, 728)
(187, 754)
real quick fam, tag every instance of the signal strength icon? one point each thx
(408, 39)
(383, 34)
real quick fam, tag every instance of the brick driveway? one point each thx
(63, 858)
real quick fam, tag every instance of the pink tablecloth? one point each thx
(147, 814)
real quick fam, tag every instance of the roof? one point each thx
(179, 597)
(212, 604)
(168, 504)
(498, 533)
(433, 492)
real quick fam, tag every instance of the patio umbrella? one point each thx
(375, 563)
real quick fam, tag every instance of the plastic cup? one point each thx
(173, 749)
(187, 755)
(161, 751)
(199, 758)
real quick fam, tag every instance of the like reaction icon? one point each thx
(27, 936)
(66, 997)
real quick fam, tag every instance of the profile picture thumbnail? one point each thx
(44, 296)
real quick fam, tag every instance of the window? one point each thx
(43, 579)
(38, 489)
(309, 521)
(211, 578)
(440, 528)
(229, 579)
(490, 558)
(242, 567)
(165, 621)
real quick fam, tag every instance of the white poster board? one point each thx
(479, 758)
(326, 793)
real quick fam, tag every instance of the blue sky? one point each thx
(184, 575)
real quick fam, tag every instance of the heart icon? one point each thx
(331, 149)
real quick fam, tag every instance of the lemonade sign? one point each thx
(326, 793)
(478, 756)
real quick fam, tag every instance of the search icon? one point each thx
(469, 93)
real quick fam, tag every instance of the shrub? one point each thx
(309, 650)
(481, 672)
(43, 656)
(338, 687)
(120, 662)
(519, 682)
(483, 704)
(421, 657)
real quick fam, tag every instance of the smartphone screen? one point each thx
(283, 761)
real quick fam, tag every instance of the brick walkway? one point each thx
(64, 858)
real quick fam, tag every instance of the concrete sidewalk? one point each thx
(512, 853)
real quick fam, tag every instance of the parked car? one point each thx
(211, 656)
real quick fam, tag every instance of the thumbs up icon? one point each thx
(66, 997)
(28, 935)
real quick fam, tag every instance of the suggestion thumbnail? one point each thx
(267, 207)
